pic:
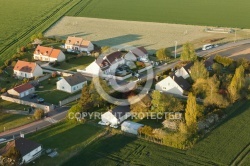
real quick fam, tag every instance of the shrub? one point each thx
(22, 49)
(53, 75)
(3, 90)
(13, 64)
(39, 114)
(7, 62)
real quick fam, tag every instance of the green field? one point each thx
(66, 138)
(123, 150)
(10, 121)
(227, 142)
(230, 13)
(21, 19)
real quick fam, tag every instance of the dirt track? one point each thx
(153, 36)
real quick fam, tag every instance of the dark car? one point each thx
(40, 100)
(32, 96)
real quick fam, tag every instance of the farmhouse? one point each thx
(173, 84)
(131, 127)
(184, 71)
(116, 115)
(72, 83)
(78, 44)
(106, 64)
(25, 69)
(22, 90)
(29, 150)
(48, 54)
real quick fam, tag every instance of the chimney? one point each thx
(21, 134)
(173, 77)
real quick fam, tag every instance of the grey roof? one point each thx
(181, 82)
(75, 79)
(139, 51)
(24, 145)
(120, 111)
(114, 56)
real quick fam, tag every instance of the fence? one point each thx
(46, 108)
(70, 99)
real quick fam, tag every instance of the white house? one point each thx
(140, 52)
(105, 64)
(29, 150)
(131, 127)
(48, 54)
(116, 115)
(77, 43)
(25, 69)
(22, 90)
(184, 71)
(72, 83)
(173, 84)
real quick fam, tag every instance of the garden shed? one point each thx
(131, 127)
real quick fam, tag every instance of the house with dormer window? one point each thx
(78, 44)
(48, 54)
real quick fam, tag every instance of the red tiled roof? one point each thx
(24, 66)
(77, 41)
(47, 51)
(23, 87)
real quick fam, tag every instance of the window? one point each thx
(74, 88)
(62, 87)
(164, 88)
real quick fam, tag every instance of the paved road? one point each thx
(54, 116)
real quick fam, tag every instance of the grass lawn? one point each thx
(6, 79)
(77, 63)
(10, 121)
(50, 94)
(123, 150)
(196, 12)
(6, 105)
(66, 138)
(226, 142)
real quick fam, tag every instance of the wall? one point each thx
(144, 69)
(70, 99)
(46, 108)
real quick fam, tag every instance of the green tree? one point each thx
(33, 37)
(158, 102)
(85, 100)
(198, 70)
(225, 61)
(188, 52)
(40, 35)
(105, 49)
(217, 68)
(191, 111)
(73, 114)
(237, 83)
(163, 54)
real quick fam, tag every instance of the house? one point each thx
(131, 127)
(78, 44)
(28, 149)
(72, 84)
(25, 69)
(48, 54)
(173, 84)
(22, 90)
(116, 115)
(139, 53)
(106, 64)
(184, 71)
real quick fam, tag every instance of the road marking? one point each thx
(51, 120)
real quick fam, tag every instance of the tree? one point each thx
(237, 83)
(191, 111)
(225, 61)
(85, 100)
(40, 35)
(217, 68)
(188, 52)
(198, 70)
(13, 154)
(39, 114)
(163, 54)
(244, 62)
(97, 98)
(73, 113)
(140, 107)
(158, 102)
(105, 49)
(33, 37)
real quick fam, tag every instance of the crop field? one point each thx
(21, 19)
(230, 141)
(153, 36)
(230, 13)
(123, 150)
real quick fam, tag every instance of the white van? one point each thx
(207, 47)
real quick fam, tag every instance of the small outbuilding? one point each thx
(131, 127)
(116, 115)
(22, 90)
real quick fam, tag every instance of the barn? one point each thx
(131, 127)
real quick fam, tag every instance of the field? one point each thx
(153, 36)
(66, 138)
(21, 19)
(10, 121)
(230, 141)
(230, 13)
(123, 150)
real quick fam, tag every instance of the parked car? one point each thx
(40, 100)
(103, 123)
(32, 96)
(114, 126)
(136, 75)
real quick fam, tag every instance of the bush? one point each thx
(39, 114)
(13, 64)
(140, 64)
(223, 60)
(3, 90)
(7, 62)
(22, 49)
(53, 75)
